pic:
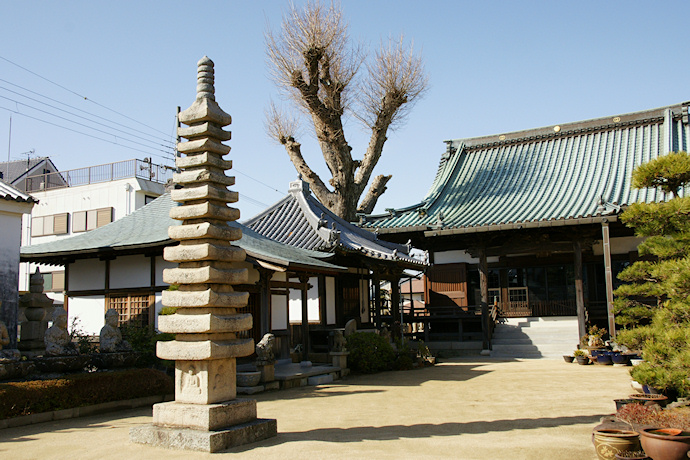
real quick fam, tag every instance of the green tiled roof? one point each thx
(559, 175)
(148, 227)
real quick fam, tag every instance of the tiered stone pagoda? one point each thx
(205, 415)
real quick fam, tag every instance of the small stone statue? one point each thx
(385, 333)
(339, 341)
(110, 336)
(350, 327)
(264, 350)
(57, 339)
(6, 355)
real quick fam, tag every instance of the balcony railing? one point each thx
(101, 173)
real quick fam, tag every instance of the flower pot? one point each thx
(620, 358)
(622, 402)
(583, 360)
(568, 359)
(604, 359)
(608, 443)
(660, 445)
(645, 398)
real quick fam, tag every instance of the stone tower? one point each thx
(205, 414)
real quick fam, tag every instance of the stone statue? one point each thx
(57, 339)
(110, 336)
(264, 350)
(350, 327)
(385, 333)
(6, 355)
(339, 341)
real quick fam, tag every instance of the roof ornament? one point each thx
(439, 220)
(334, 236)
(322, 223)
(408, 245)
(395, 253)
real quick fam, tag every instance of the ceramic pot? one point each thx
(608, 443)
(604, 359)
(662, 446)
(582, 360)
(620, 358)
(568, 359)
(645, 398)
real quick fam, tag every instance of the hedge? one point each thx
(77, 390)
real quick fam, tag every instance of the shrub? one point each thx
(640, 414)
(143, 340)
(369, 353)
(24, 398)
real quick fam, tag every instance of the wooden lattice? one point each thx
(133, 310)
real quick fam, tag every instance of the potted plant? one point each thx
(581, 357)
(609, 442)
(594, 338)
(664, 433)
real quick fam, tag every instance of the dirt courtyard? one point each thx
(464, 408)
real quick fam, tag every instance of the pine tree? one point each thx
(654, 307)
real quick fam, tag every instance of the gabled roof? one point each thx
(300, 220)
(566, 174)
(147, 227)
(15, 171)
(9, 193)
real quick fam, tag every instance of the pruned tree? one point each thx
(313, 63)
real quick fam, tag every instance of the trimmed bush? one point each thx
(32, 397)
(369, 353)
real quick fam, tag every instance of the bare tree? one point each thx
(313, 63)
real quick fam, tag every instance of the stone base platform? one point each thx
(205, 441)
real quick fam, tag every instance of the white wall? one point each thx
(458, 256)
(295, 304)
(621, 245)
(89, 311)
(279, 313)
(86, 274)
(129, 272)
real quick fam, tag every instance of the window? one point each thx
(49, 225)
(148, 199)
(83, 221)
(54, 281)
(134, 310)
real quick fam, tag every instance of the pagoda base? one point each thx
(204, 441)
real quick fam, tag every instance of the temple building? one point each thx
(528, 221)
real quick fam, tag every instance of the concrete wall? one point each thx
(10, 238)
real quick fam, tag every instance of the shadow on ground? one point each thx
(422, 430)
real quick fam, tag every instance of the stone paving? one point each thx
(465, 408)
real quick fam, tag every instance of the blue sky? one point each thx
(493, 66)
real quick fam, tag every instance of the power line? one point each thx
(244, 197)
(80, 124)
(85, 134)
(80, 96)
(257, 180)
(78, 116)
(76, 108)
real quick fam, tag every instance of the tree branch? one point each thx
(378, 186)
(294, 151)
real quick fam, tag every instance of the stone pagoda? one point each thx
(206, 415)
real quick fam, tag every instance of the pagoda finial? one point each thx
(205, 79)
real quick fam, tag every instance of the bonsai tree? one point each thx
(654, 307)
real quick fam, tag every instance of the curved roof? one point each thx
(148, 227)
(300, 220)
(559, 175)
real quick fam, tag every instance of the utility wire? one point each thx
(85, 134)
(80, 110)
(79, 116)
(81, 124)
(257, 180)
(245, 198)
(80, 96)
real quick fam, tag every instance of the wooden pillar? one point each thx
(264, 284)
(377, 299)
(304, 279)
(579, 289)
(395, 305)
(484, 288)
(606, 240)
